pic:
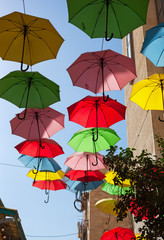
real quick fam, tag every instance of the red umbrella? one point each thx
(39, 123)
(85, 176)
(102, 71)
(50, 185)
(92, 111)
(49, 148)
(118, 233)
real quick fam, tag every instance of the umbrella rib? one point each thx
(82, 9)
(116, 19)
(108, 67)
(36, 35)
(91, 66)
(100, 107)
(160, 56)
(151, 94)
(97, 19)
(18, 35)
(130, 9)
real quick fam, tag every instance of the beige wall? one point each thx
(141, 124)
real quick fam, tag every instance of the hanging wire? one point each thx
(102, 45)
(141, 128)
(24, 6)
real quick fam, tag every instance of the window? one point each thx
(128, 45)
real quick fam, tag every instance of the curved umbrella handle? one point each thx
(95, 164)
(161, 120)
(110, 38)
(82, 205)
(24, 70)
(46, 201)
(105, 99)
(24, 115)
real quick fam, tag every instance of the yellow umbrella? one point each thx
(106, 205)
(148, 93)
(111, 175)
(45, 175)
(28, 39)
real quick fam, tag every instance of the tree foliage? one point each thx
(145, 198)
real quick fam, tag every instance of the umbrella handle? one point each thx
(24, 70)
(106, 33)
(24, 116)
(107, 97)
(95, 164)
(46, 201)
(110, 38)
(161, 120)
(82, 205)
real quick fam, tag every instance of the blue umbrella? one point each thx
(153, 46)
(81, 186)
(41, 164)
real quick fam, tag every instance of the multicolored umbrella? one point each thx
(83, 140)
(28, 90)
(149, 93)
(118, 233)
(48, 185)
(102, 71)
(28, 39)
(92, 111)
(32, 148)
(113, 189)
(38, 123)
(40, 164)
(85, 176)
(105, 18)
(153, 46)
(84, 160)
(110, 179)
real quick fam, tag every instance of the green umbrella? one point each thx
(113, 189)
(105, 18)
(83, 140)
(29, 90)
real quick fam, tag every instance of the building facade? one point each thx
(141, 126)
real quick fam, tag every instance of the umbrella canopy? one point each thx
(45, 176)
(28, 39)
(101, 18)
(102, 71)
(39, 123)
(85, 176)
(50, 184)
(148, 93)
(106, 205)
(84, 160)
(92, 111)
(83, 140)
(32, 148)
(41, 164)
(114, 190)
(82, 186)
(153, 46)
(29, 90)
(110, 179)
(118, 233)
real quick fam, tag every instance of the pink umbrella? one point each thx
(84, 160)
(102, 71)
(39, 123)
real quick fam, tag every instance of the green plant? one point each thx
(145, 199)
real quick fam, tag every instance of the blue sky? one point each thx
(58, 217)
